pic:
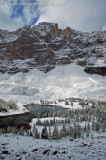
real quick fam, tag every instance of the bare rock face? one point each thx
(45, 45)
(96, 70)
(68, 32)
(56, 30)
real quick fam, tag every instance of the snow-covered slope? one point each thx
(61, 82)
(13, 148)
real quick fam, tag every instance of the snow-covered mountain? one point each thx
(46, 62)
(45, 46)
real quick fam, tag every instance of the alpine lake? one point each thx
(25, 118)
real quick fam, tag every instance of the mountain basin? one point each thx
(24, 119)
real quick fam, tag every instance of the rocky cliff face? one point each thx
(45, 45)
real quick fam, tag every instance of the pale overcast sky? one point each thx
(83, 15)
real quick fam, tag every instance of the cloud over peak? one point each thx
(83, 15)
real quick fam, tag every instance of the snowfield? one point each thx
(28, 148)
(61, 82)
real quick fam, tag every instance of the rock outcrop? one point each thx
(96, 70)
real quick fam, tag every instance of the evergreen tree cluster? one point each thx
(50, 122)
(5, 106)
(14, 130)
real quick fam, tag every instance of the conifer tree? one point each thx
(78, 130)
(22, 131)
(8, 129)
(64, 131)
(49, 134)
(87, 133)
(85, 128)
(55, 134)
(60, 133)
(88, 126)
(37, 134)
(13, 130)
(97, 126)
(44, 133)
(103, 127)
(34, 131)
(75, 132)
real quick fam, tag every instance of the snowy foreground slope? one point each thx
(27, 148)
(61, 82)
